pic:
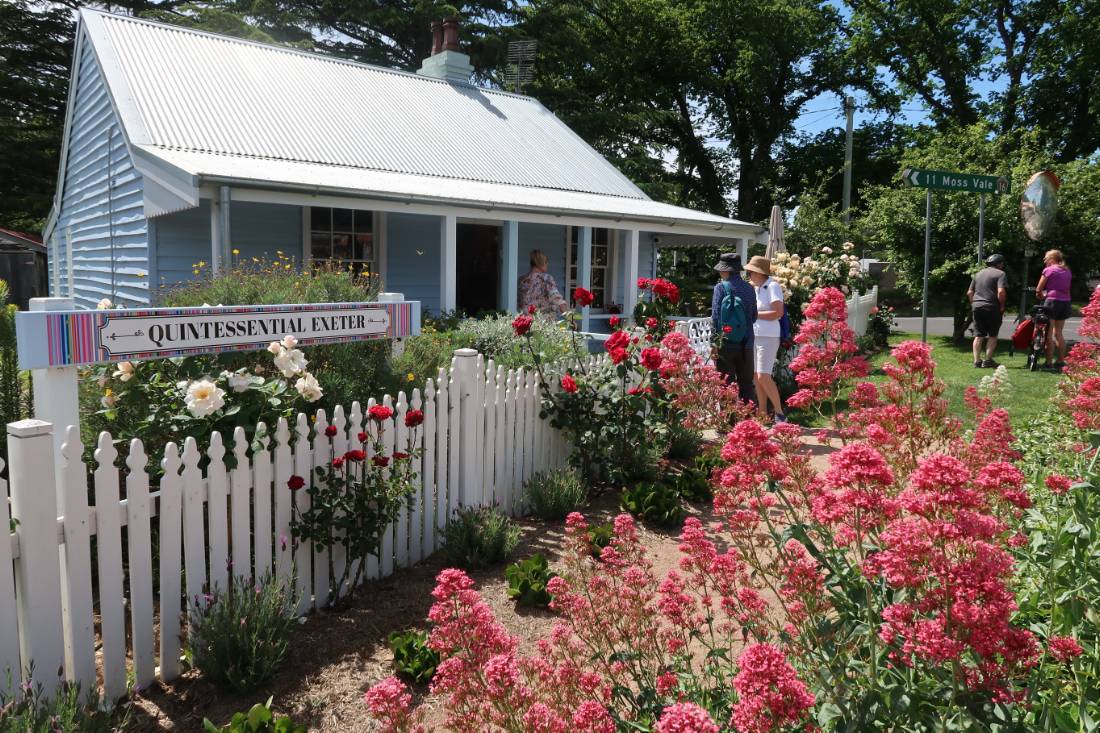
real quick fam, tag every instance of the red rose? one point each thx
(614, 321)
(618, 340)
(651, 322)
(295, 482)
(727, 329)
(665, 289)
(399, 456)
(330, 431)
(414, 418)
(568, 384)
(618, 355)
(583, 297)
(355, 455)
(521, 325)
(381, 461)
(531, 309)
(651, 358)
(634, 391)
(643, 283)
(363, 437)
(380, 413)
(338, 462)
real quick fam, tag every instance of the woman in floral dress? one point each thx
(537, 288)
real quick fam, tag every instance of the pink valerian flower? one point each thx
(771, 697)
(1064, 649)
(389, 702)
(826, 359)
(698, 395)
(1058, 484)
(685, 717)
(855, 492)
(1090, 317)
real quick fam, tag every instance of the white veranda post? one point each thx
(509, 281)
(448, 264)
(584, 270)
(631, 299)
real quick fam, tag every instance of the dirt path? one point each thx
(336, 656)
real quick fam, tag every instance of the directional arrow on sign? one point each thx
(910, 177)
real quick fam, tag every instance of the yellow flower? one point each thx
(411, 377)
(236, 251)
(202, 263)
(195, 271)
(107, 392)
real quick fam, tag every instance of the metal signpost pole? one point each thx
(927, 260)
(981, 229)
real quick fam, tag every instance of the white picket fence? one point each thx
(481, 440)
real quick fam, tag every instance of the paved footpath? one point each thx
(945, 325)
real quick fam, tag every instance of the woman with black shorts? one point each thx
(1053, 290)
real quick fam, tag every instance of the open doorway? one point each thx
(478, 271)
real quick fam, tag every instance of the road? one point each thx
(944, 326)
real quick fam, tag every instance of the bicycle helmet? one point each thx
(994, 260)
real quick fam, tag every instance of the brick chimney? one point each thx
(447, 61)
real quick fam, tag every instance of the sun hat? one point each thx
(728, 262)
(761, 265)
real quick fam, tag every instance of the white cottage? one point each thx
(182, 146)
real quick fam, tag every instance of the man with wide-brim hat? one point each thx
(732, 313)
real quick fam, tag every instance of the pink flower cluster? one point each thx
(1080, 387)
(770, 695)
(826, 357)
(698, 396)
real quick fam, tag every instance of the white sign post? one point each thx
(53, 339)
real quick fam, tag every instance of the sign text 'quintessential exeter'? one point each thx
(70, 338)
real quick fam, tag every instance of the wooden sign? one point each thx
(72, 338)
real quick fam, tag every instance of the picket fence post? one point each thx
(463, 400)
(38, 572)
(9, 626)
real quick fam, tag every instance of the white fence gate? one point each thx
(481, 440)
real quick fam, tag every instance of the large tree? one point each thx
(702, 88)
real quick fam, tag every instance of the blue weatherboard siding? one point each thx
(257, 230)
(412, 258)
(98, 225)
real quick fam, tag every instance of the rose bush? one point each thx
(803, 276)
(352, 501)
(158, 401)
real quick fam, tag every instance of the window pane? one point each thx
(573, 254)
(320, 245)
(341, 246)
(364, 247)
(574, 235)
(597, 279)
(598, 299)
(599, 236)
(320, 218)
(341, 220)
(364, 222)
(599, 256)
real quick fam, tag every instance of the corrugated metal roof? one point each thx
(216, 106)
(202, 92)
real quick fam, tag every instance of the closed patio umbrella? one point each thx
(775, 234)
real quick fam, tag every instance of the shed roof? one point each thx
(196, 105)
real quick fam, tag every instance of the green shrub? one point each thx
(527, 581)
(655, 502)
(413, 659)
(259, 719)
(552, 495)
(28, 710)
(15, 393)
(478, 537)
(684, 444)
(692, 484)
(240, 637)
(599, 537)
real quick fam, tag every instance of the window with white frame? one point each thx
(343, 235)
(601, 264)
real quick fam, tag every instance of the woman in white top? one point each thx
(769, 309)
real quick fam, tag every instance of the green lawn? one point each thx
(1028, 397)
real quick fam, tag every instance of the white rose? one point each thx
(204, 397)
(848, 246)
(124, 371)
(807, 282)
(289, 342)
(827, 250)
(104, 304)
(308, 387)
(238, 382)
(291, 362)
(275, 347)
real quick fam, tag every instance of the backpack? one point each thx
(784, 326)
(732, 314)
(1021, 337)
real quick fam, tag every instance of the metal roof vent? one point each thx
(447, 62)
